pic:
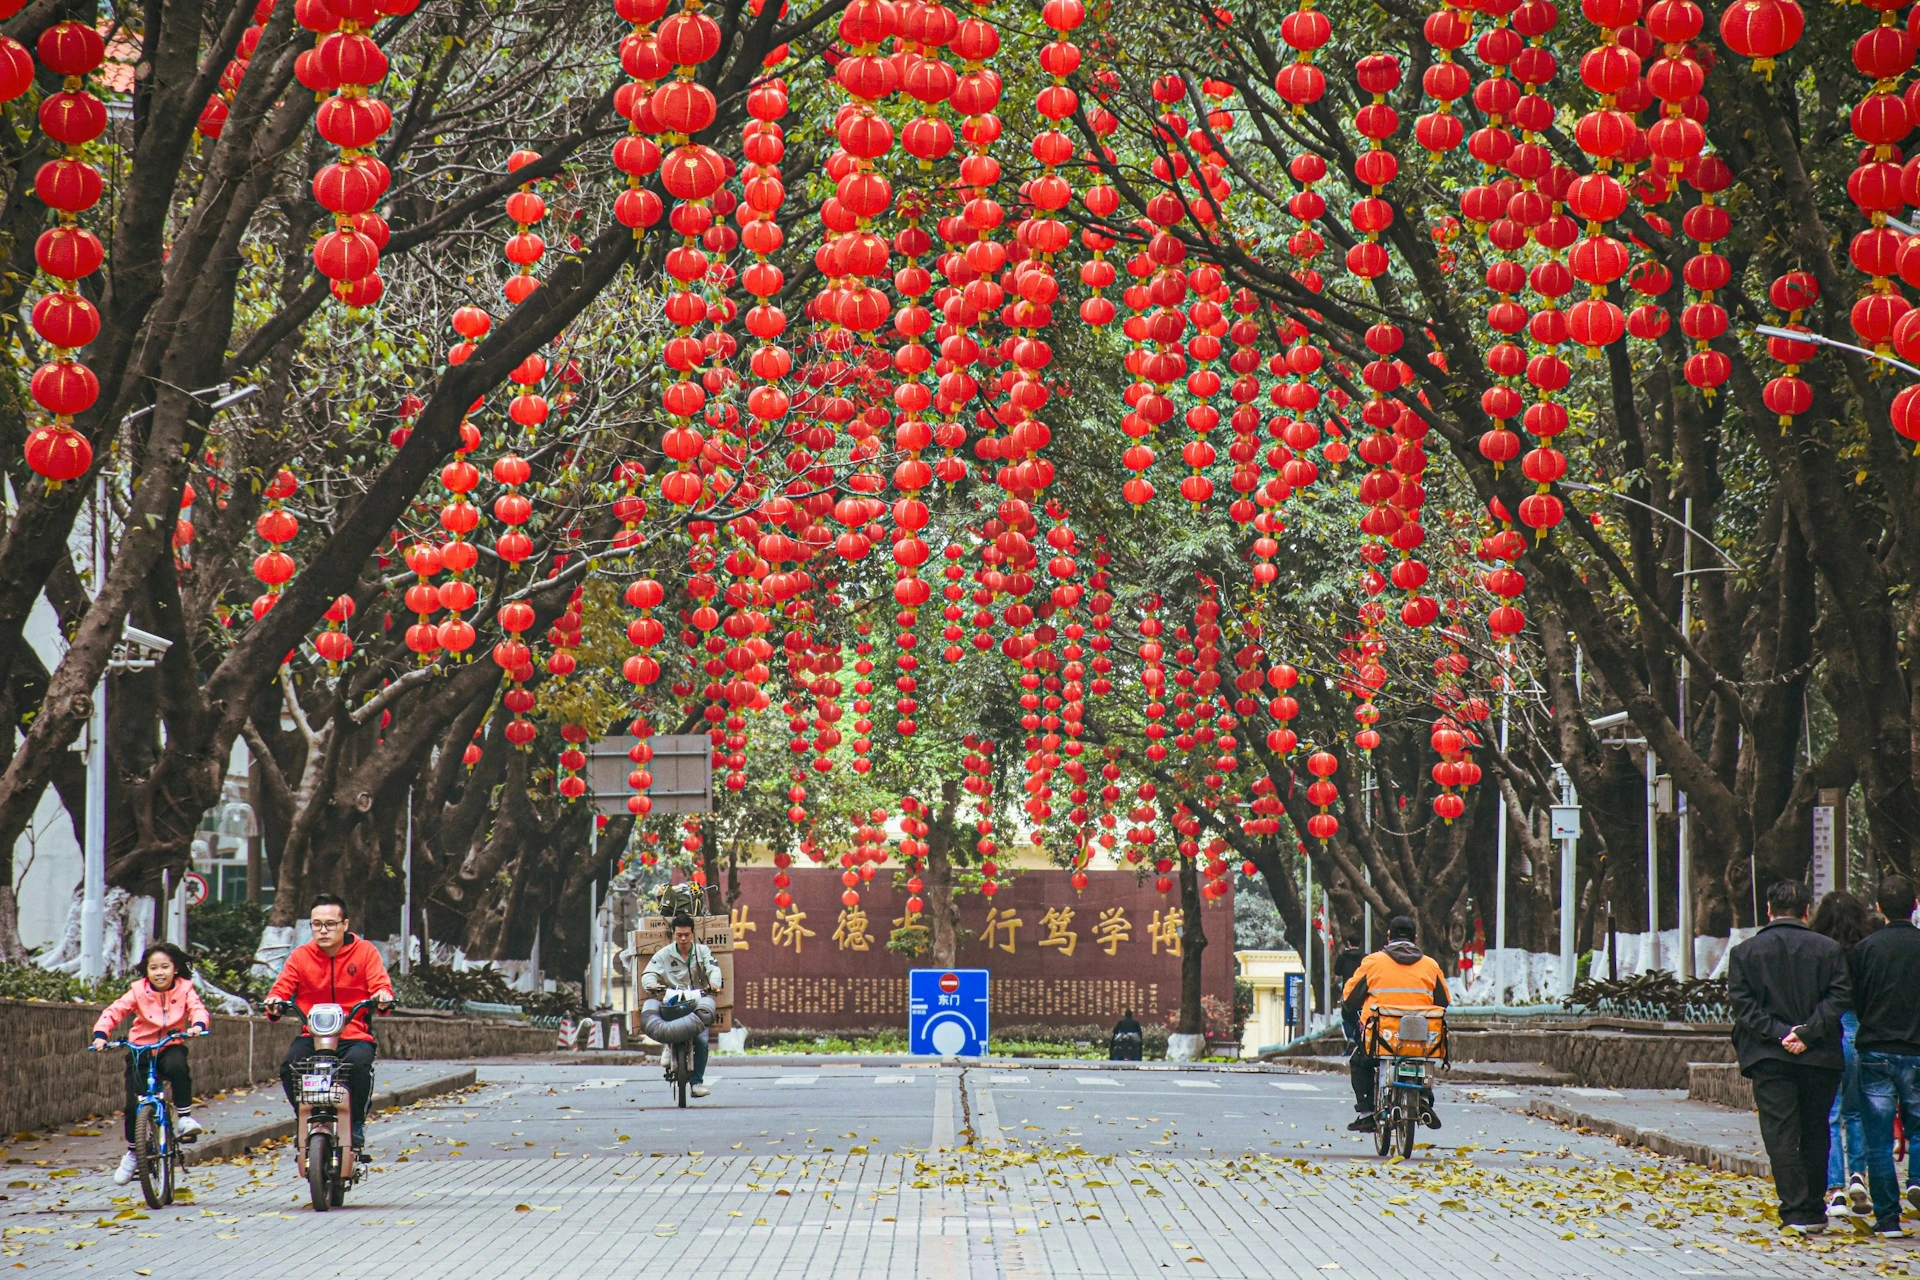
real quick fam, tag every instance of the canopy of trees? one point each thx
(1177, 432)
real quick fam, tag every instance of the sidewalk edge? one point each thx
(1654, 1140)
(240, 1141)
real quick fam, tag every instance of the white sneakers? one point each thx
(700, 1091)
(129, 1166)
(189, 1128)
(1859, 1199)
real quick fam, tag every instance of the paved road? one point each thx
(585, 1170)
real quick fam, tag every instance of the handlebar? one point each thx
(275, 1008)
(159, 1044)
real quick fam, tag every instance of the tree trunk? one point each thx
(942, 915)
(1193, 945)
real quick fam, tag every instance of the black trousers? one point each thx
(1793, 1102)
(358, 1057)
(170, 1065)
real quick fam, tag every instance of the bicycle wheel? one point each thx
(320, 1171)
(150, 1145)
(1409, 1121)
(682, 1070)
(1383, 1131)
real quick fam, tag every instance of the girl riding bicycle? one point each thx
(162, 1002)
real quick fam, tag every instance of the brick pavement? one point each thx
(1557, 1204)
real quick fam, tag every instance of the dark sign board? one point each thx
(682, 769)
(1058, 958)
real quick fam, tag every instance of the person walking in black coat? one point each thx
(1885, 968)
(1789, 986)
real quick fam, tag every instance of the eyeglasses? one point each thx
(328, 924)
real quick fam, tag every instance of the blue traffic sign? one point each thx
(947, 1012)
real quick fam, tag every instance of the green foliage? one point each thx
(222, 938)
(442, 986)
(911, 941)
(31, 982)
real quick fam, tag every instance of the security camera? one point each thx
(154, 645)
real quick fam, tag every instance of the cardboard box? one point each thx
(716, 932)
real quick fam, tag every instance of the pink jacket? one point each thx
(155, 1013)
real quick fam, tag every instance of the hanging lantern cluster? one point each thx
(978, 764)
(1707, 271)
(458, 555)
(515, 658)
(345, 64)
(512, 508)
(69, 185)
(863, 861)
(913, 851)
(637, 155)
(565, 636)
(334, 644)
(1207, 323)
(692, 174)
(1321, 794)
(1501, 551)
(276, 526)
(1881, 123)
(570, 785)
(524, 249)
(423, 600)
(1446, 81)
(1283, 707)
(1299, 82)
(213, 116)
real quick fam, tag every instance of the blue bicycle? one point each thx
(155, 1143)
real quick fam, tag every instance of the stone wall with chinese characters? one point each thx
(1059, 958)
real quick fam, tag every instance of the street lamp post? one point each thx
(1500, 860)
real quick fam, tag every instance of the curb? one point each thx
(1654, 1140)
(240, 1141)
(1455, 1075)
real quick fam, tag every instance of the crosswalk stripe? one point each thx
(1108, 1081)
(807, 1079)
(893, 1079)
(1196, 1084)
(1295, 1086)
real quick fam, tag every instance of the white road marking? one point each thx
(894, 1079)
(986, 1120)
(1108, 1081)
(943, 1109)
(1196, 1084)
(1295, 1086)
(807, 1079)
(1596, 1093)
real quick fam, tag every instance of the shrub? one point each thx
(31, 982)
(222, 938)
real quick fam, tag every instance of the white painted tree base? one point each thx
(1186, 1048)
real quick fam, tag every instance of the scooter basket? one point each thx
(333, 1094)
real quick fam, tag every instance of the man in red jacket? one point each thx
(335, 968)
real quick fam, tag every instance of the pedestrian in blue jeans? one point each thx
(1886, 989)
(1845, 919)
